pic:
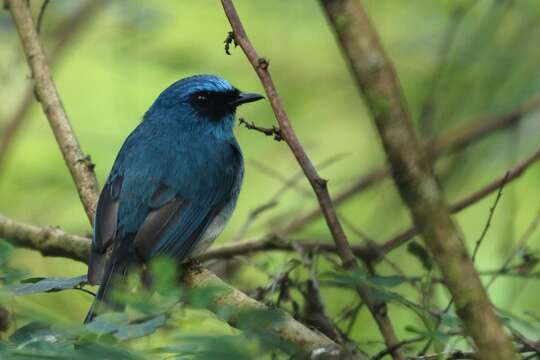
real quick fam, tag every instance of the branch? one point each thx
(453, 141)
(79, 164)
(64, 33)
(319, 185)
(260, 65)
(413, 174)
(48, 241)
(56, 242)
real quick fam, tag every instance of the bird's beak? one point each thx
(245, 98)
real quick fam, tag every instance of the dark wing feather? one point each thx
(105, 226)
(173, 226)
(155, 225)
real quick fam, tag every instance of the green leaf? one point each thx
(118, 325)
(415, 330)
(25, 333)
(40, 337)
(347, 278)
(141, 329)
(38, 285)
(108, 323)
(387, 281)
(450, 320)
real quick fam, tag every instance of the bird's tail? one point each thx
(116, 270)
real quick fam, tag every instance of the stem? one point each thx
(413, 174)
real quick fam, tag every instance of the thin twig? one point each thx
(319, 185)
(519, 247)
(273, 131)
(285, 127)
(490, 217)
(42, 15)
(402, 343)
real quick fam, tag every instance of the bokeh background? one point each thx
(109, 74)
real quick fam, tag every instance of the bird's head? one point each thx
(202, 101)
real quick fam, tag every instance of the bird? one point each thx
(174, 184)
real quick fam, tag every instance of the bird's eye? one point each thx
(201, 98)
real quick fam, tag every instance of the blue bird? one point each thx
(174, 183)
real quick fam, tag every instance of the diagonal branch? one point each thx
(319, 185)
(78, 163)
(413, 174)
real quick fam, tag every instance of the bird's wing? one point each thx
(174, 228)
(185, 203)
(167, 213)
(105, 227)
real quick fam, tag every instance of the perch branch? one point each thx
(413, 174)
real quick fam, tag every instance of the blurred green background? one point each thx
(131, 50)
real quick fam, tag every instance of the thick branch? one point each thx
(79, 164)
(413, 174)
(453, 141)
(319, 185)
(55, 242)
(48, 241)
